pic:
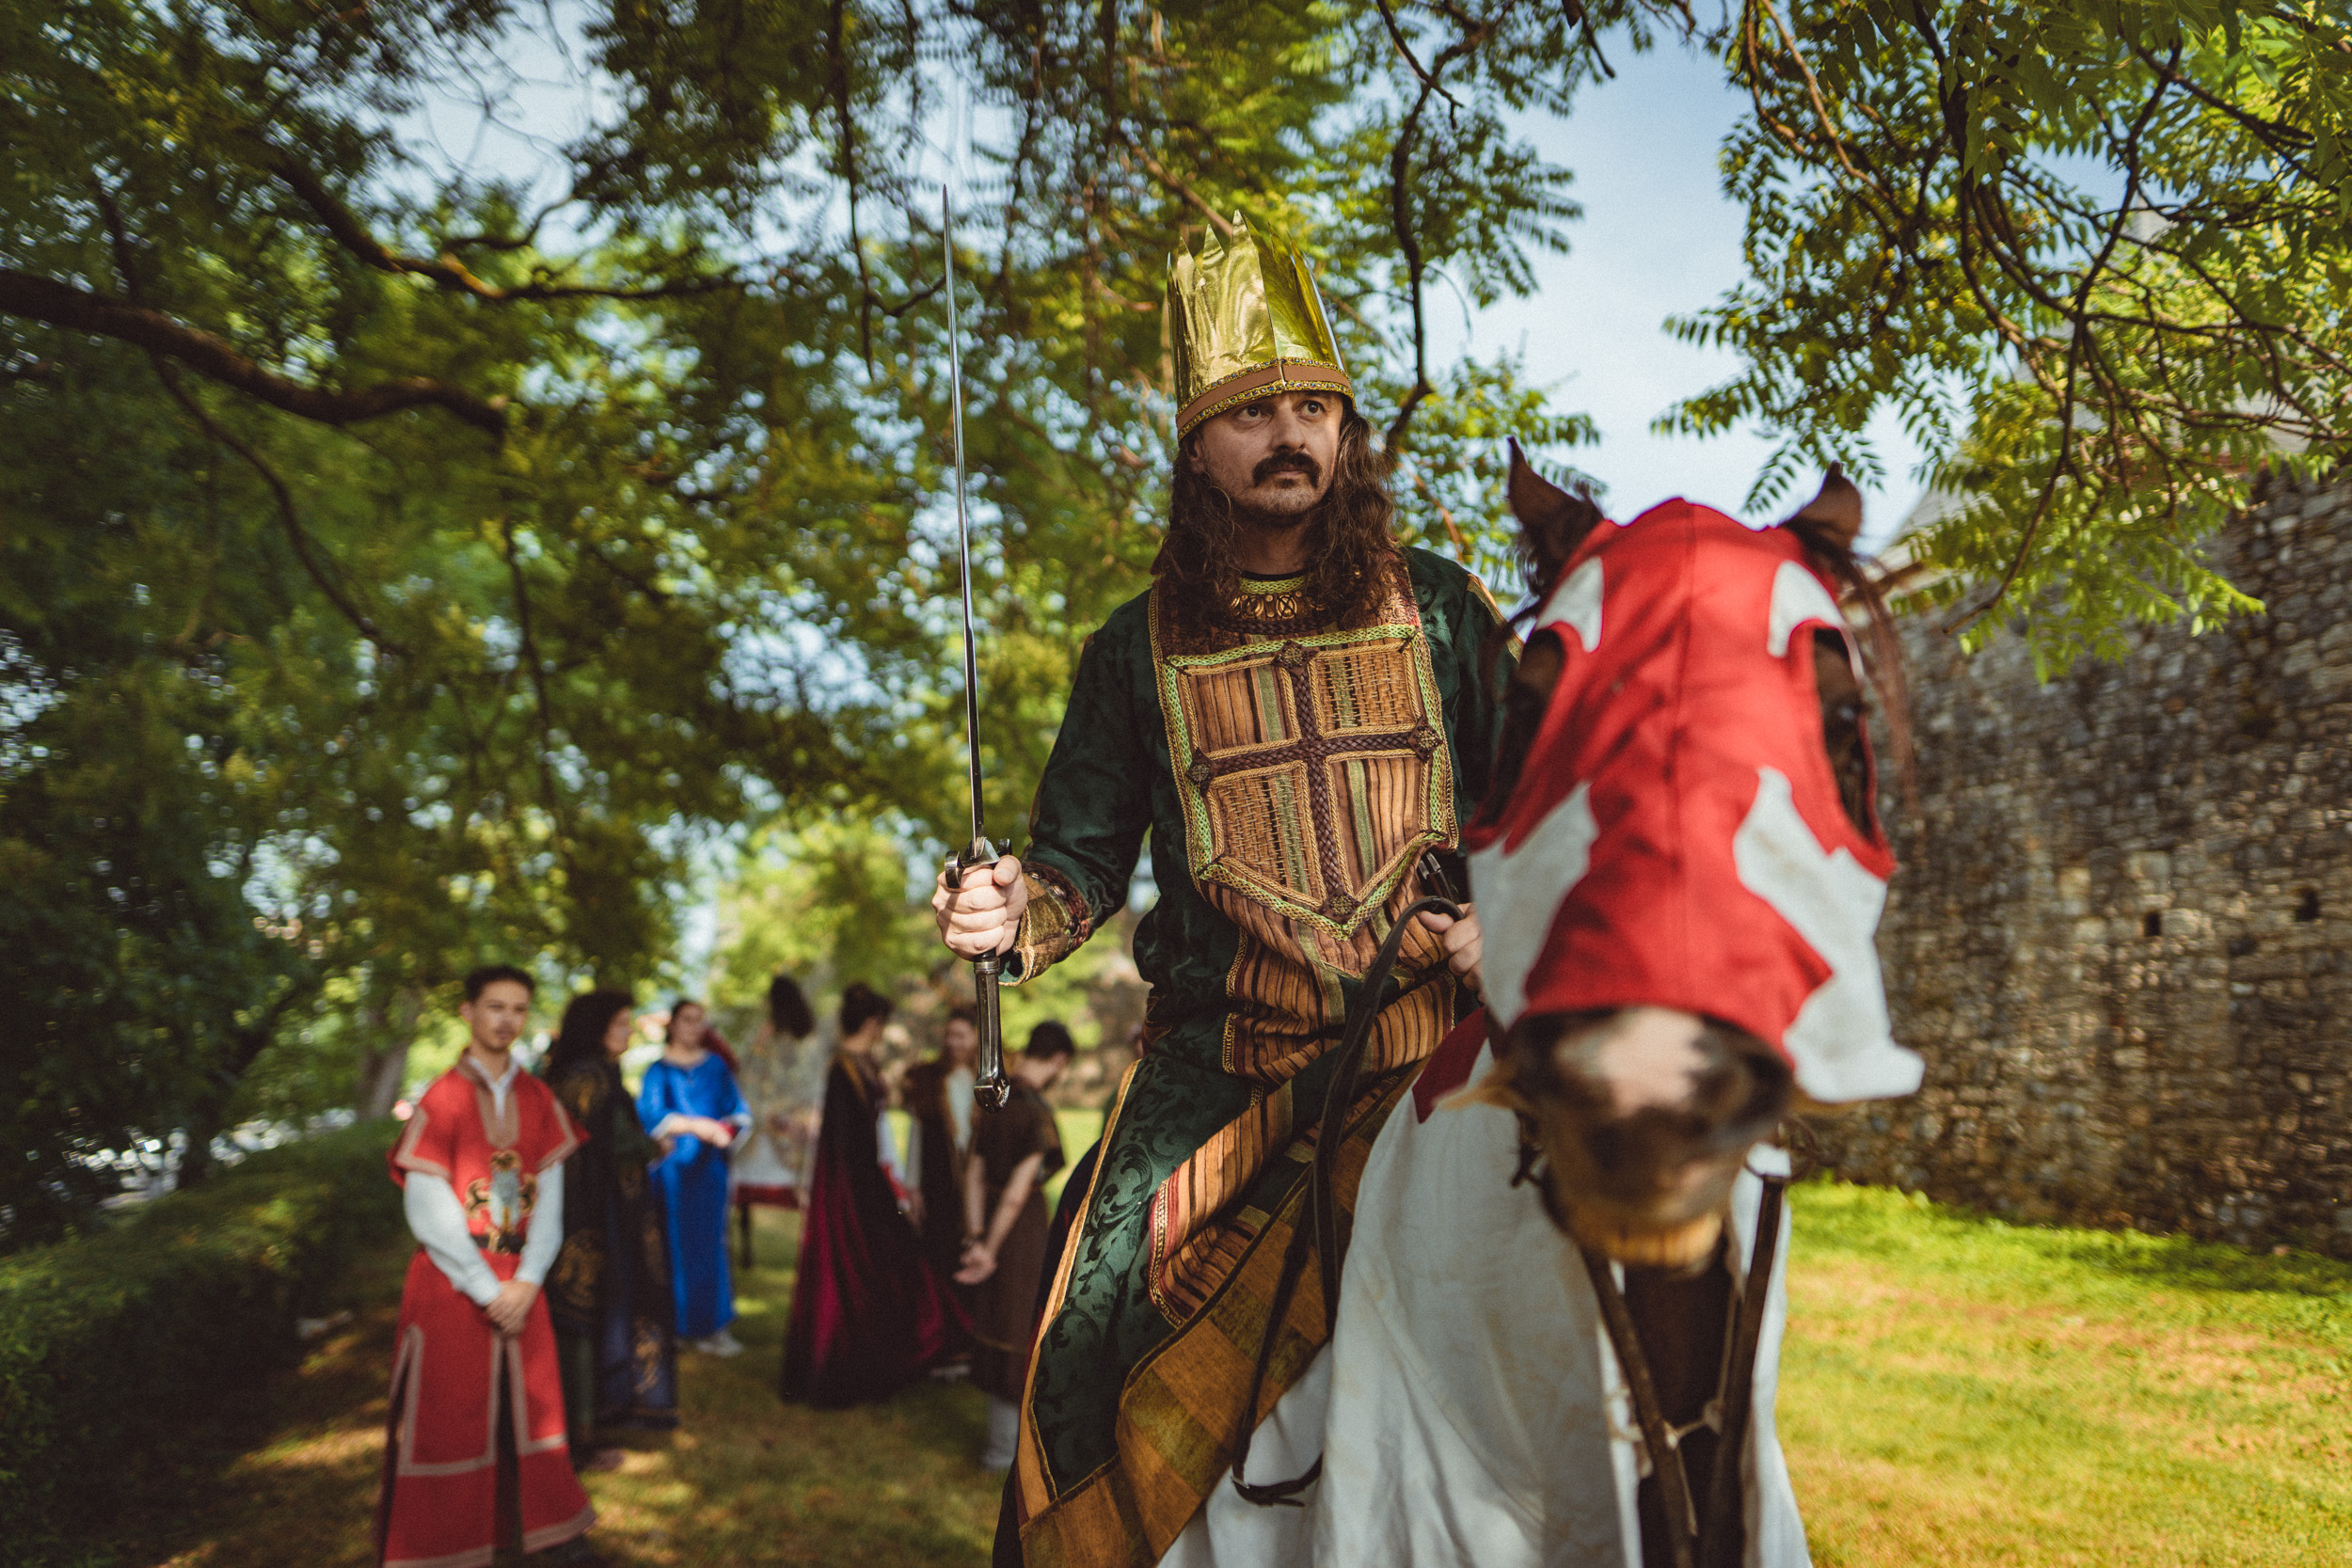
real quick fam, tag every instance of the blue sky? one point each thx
(1658, 238)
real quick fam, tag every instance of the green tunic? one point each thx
(1288, 779)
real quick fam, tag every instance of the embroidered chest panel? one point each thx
(499, 1206)
(1312, 765)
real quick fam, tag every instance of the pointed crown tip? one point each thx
(1246, 320)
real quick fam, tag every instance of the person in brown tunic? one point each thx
(1013, 1150)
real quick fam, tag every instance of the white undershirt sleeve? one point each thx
(547, 1228)
(438, 1222)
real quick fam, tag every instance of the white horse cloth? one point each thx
(1470, 1411)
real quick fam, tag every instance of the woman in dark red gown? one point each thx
(870, 1312)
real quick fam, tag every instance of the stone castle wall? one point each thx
(2123, 932)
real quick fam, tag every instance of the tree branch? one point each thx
(1401, 220)
(1396, 36)
(296, 535)
(44, 299)
(446, 270)
(1176, 186)
(838, 85)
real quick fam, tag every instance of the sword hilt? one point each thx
(991, 1089)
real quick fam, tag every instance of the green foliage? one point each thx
(2095, 257)
(418, 559)
(828, 904)
(110, 1343)
(477, 539)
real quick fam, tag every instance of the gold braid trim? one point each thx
(1052, 925)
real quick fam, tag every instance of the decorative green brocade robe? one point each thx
(1291, 776)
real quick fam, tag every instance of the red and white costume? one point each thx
(1675, 840)
(481, 1162)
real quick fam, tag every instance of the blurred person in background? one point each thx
(690, 1101)
(938, 1099)
(869, 1313)
(769, 1164)
(476, 1453)
(609, 1291)
(1014, 1149)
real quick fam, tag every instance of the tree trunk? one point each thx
(209, 1118)
(392, 1028)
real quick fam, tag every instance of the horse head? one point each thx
(1679, 870)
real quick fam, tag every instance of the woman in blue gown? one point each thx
(690, 1101)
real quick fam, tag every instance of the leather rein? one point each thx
(1320, 1234)
(1695, 1540)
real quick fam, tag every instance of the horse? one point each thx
(1563, 1292)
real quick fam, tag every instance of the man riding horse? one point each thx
(1295, 715)
(1303, 717)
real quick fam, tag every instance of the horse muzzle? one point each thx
(1635, 1123)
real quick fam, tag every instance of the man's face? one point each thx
(498, 1016)
(1274, 456)
(962, 1041)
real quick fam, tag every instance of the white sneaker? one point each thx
(720, 1343)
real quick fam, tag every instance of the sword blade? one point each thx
(991, 1089)
(963, 512)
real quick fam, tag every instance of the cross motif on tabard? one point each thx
(1316, 749)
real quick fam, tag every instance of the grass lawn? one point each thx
(1954, 1391)
(1957, 1391)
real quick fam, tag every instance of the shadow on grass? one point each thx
(1879, 1220)
(285, 1472)
(286, 1475)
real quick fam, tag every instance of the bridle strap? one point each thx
(1320, 1225)
(1738, 1392)
(1696, 1540)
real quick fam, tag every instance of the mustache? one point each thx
(1287, 462)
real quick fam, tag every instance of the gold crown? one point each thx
(1244, 320)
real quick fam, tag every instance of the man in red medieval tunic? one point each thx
(476, 1455)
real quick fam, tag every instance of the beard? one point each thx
(1346, 503)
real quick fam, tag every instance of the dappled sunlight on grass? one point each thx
(1958, 1389)
(1954, 1391)
(745, 1479)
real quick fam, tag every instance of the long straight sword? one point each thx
(990, 1087)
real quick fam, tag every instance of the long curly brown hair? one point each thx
(1350, 536)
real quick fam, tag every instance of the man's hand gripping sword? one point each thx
(990, 1089)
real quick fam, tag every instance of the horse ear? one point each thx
(1836, 511)
(1553, 522)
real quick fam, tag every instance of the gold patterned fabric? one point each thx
(1316, 775)
(1313, 772)
(1243, 321)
